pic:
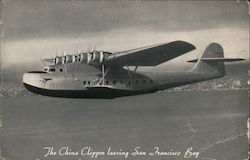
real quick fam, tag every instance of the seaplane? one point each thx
(106, 75)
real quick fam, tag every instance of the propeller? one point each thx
(91, 49)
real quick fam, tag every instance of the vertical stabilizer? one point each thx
(213, 51)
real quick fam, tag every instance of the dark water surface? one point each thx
(213, 123)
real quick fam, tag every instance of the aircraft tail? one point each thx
(212, 60)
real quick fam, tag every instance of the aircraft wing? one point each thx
(151, 55)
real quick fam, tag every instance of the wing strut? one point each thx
(135, 69)
(102, 80)
(130, 75)
(130, 78)
(103, 76)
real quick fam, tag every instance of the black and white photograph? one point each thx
(124, 80)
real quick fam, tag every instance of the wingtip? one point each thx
(192, 47)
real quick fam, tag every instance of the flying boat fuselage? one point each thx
(132, 72)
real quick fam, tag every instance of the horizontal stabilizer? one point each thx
(217, 60)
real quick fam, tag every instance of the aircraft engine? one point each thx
(58, 60)
(93, 58)
(83, 57)
(63, 59)
(68, 59)
(74, 58)
(96, 58)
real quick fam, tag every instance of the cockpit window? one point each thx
(52, 69)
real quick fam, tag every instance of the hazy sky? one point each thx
(39, 29)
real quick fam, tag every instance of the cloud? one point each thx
(39, 19)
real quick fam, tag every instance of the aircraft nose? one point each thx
(31, 78)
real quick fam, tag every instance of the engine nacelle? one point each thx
(63, 59)
(68, 59)
(96, 58)
(83, 57)
(58, 60)
(74, 58)
(93, 58)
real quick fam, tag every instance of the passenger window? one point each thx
(151, 81)
(136, 81)
(143, 81)
(107, 82)
(88, 82)
(61, 70)
(84, 82)
(114, 82)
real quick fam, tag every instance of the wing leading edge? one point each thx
(150, 56)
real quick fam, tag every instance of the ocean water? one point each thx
(211, 123)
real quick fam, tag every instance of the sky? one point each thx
(44, 29)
